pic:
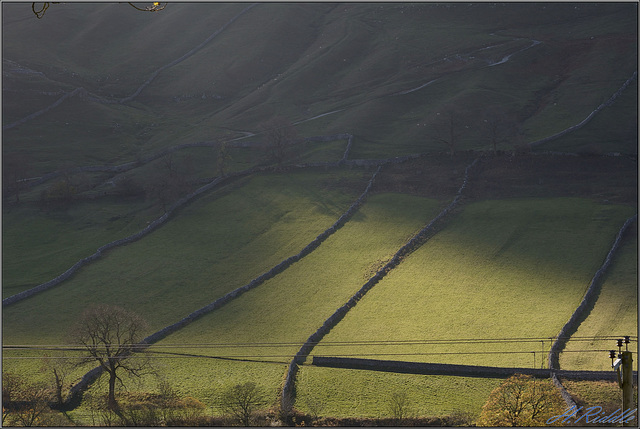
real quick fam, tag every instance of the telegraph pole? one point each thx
(627, 384)
(625, 363)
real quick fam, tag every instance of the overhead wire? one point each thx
(448, 341)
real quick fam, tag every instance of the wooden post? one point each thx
(627, 386)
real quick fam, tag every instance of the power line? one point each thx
(448, 341)
(152, 354)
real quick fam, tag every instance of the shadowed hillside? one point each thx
(396, 75)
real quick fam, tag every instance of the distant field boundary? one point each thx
(209, 184)
(287, 395)
(76, 391)
(582, 123)
(84, 93)
(423, 368)
(127, 166)
(581, 313)
(185, 56)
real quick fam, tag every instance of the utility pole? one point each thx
(627, 385)
(625, 362)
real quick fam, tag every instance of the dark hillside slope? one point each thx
(383, 71)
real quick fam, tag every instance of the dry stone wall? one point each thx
(587, 303)
(210, 184)
(580, 314)
(45, 110)
(582, 123)
(90, 377)
(454, 370)
(338, 315)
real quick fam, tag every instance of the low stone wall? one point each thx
(89, 378)
(455, 370)
(587, 303)
(130, 239)
(580, 314)
(582, 123)
(46, 109)
(338, 315)
(314, 244)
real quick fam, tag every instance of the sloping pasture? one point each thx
(349, 392)
(40, 244)
(502, 269)
(615, 312)
(273, 320)
(216, 244)
(303, 60)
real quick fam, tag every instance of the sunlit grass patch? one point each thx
(615, 312)
(291, 306)
(501, 269)
(359, 393)
(214, 245)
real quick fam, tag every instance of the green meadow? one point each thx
(452, 82)
(349, 392)
(502, 269)
(615, 313)
(213, 246)
(271, 322)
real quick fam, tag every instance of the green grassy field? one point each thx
(513, 261)
(285, 310)
(217, 244)
(615, 312)
(69, 235)
(348, 393)
(502, 269)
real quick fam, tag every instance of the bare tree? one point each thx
(223, 158)
(110, 335)
(171, 180)
(280, 136)
(242, 401)
(59, 368)
(446, 130)
(399, 405)
(23, 403)
(499, 127)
